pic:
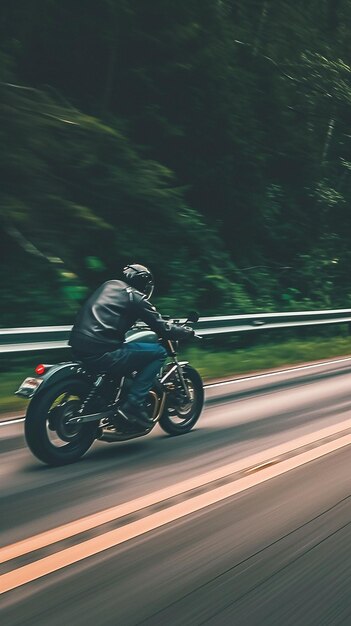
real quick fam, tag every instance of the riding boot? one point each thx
(135, 412)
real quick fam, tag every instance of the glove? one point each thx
(181, 332)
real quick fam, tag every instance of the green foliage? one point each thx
(209, 140)
(211, 361)
(217, 364)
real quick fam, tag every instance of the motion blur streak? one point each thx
(248, 464)
(113, 538)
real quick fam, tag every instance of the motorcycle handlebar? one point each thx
(186, 323)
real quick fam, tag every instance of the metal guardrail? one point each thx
(54, 337)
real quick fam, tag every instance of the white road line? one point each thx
(15, 420)
(276, 373)
(234, 381)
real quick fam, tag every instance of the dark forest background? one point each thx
(209, 139)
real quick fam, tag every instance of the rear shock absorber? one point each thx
(92, 393)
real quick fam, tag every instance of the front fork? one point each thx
(177, 367)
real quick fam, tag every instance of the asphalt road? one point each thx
(277, 553)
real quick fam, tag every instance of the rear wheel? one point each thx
(181, 414)
(47, 430)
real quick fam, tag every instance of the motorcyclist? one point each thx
(98, 336)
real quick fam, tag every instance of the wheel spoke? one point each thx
(182, 409)
(59, 432)
(49, 435)
(181, 412)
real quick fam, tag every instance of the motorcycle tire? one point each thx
(180, 420)
(44, 418)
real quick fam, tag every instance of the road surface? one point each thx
(246, 520)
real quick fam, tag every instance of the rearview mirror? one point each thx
(193, 316)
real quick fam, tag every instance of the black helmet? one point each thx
(139, 277)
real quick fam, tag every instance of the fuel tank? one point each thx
(144, 335)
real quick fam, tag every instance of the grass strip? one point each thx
(267, 356)
(212, 363)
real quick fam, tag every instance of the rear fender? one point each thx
(53, 375)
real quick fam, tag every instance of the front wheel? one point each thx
(48, 433)
(181, 414)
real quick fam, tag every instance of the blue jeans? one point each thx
(144, 358)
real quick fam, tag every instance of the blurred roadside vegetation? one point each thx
(207, 139)
(215, 358)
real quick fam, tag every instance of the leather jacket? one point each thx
(109, 312)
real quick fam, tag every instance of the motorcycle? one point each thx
(71, 406)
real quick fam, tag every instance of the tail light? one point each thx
(40, 369)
